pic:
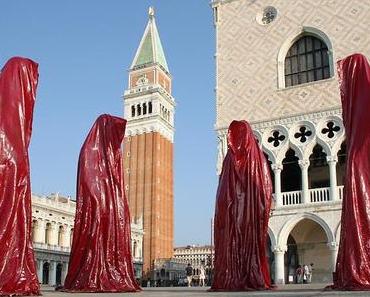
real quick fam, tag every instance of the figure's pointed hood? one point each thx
(240, 138)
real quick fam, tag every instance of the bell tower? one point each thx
(148, 146)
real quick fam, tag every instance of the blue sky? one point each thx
(84, 49)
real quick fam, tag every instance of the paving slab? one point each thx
(310, 290)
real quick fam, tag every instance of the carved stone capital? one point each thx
(332, 245)
(304, 163)
(276, 166)
(332, 159)
(280, 249)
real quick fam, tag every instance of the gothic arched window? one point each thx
(307, 60)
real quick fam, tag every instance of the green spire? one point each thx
(150, 50)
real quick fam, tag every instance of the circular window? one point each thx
(267, 15)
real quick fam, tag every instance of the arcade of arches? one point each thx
(318, 171)
(306, 233)
(307, 242)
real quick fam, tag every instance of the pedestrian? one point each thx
(299, 274)
(306, 273)
(202, 276)
(189, 274)
(310, 268)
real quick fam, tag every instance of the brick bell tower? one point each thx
(148, 146)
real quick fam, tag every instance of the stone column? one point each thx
(52, 273)
(65, 271)
(277, 174)
(54, 232)
(39, 270)
(221, 153)
(333, 246)
(332, 161)
(40, 231)
(304, 164)
(65, 236)
(279, 253)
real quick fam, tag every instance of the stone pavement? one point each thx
(310, 290)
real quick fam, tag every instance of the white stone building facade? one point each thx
(197, 256)
(52, 233)
(276, 68)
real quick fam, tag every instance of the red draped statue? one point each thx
(18, 83)
(353, 262)
(242, 214)
(101, 258)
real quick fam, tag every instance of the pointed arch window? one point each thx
(307, 60)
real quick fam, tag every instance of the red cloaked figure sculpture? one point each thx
(18, 84)
(242, 213)
(353, 262)
(100, 257)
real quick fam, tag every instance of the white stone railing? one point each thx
(315, 196)
(340, 192)
(319, 195)
(292, 198)
(51, 247)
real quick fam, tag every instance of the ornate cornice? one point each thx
(312, 116)
(141, 127)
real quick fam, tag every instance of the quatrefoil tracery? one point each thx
(303, 134)
(331, 129)
(276, 138)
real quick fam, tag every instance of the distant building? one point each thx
(52, 233)
(148, 146)
(197, 256)
(168, 272)
(276, 68)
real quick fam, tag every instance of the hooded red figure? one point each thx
(100, 257)
(18, 83)
(353, 262)
(242, 213)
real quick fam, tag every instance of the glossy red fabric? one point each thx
(242, 213)
(101, 257)
(353, 262)
(18, 84)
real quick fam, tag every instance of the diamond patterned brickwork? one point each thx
(247, 55)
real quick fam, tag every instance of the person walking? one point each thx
(299, 274)
(189, 274)
(306, 273)
(202, 276)
(310, 268)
